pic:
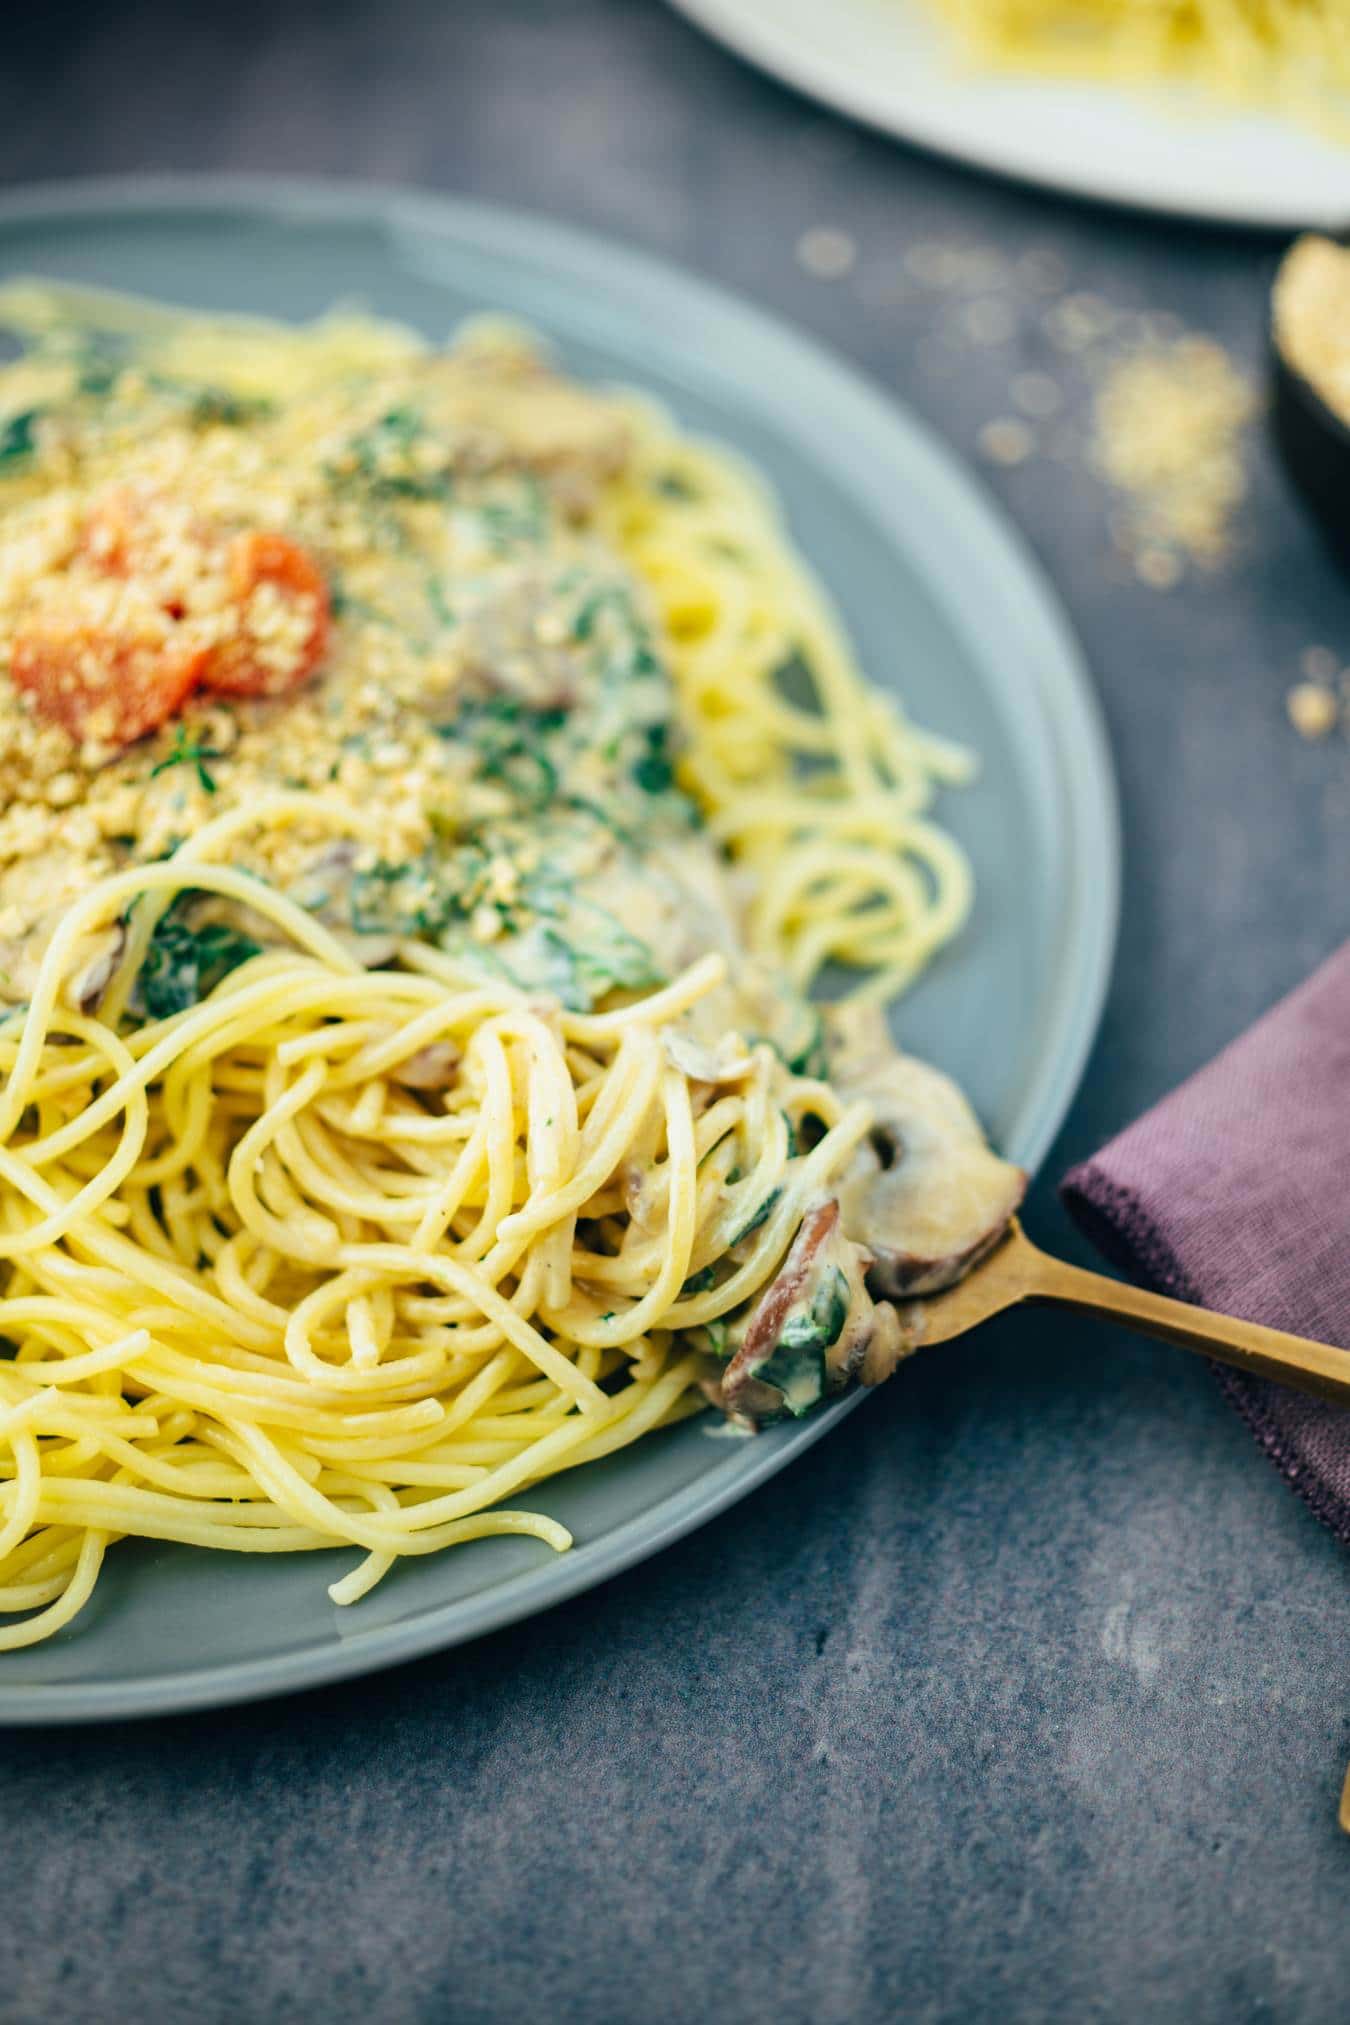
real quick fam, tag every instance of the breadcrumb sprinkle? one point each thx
(141, 509)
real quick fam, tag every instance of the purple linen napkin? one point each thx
(1234, 1192)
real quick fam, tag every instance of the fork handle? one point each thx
(1248, 1346)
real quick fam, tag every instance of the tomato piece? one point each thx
(99, 684)
(147, 536)
(270, 663)
(114, 678)
(111, 532)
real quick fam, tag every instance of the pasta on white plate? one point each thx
(430, 792)
(1293, 55)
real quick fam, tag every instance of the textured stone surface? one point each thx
(1024, 1695)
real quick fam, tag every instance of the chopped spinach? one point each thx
(516, 515)
(653, 771)
(382, 458)
(441, 609)
(184, 964)
(203, 402)
(808, 1056)
(578, 951)
(699, 1283)
(207, 405)
(508, 742)
(99, 357)
(609, 597)
(608, 956)
(18, 436)
(415, 898)
(531, 777)
(98, 378)
(757, 1217)
(796, 1364)
(346, 605)
(800, 1043)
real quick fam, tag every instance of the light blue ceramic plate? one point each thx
(944, 603)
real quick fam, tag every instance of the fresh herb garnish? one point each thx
(189, 751)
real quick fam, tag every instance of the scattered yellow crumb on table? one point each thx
(1006, 441)
(827, 253)
(1168, 435)
(1313, 710)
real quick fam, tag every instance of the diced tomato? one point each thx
(110, 537)
(114, 682)
(240, 666)
(99, 684)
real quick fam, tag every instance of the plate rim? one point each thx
(1075, 728)
(860, 98)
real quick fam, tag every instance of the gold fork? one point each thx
(1017, 1271)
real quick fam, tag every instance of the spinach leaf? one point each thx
(184, 965)
(577, 951)
(757, 1217)
(718, 1332)
(800, 1042)
(207, 405)
(699, 1283)
(518, 515)
(382, 459)
(796, 1364)
(417, 898)
(608, 957)
(653, 771)
(508, 742)
(18, 437)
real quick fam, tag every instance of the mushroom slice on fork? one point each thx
(926, 1194)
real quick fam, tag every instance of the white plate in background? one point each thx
(888, 62)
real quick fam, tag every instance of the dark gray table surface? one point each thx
(1024, 1695)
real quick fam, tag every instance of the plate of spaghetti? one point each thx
(1230, 109)
(526, 876)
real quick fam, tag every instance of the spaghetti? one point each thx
(1292, 53)
(430, 791)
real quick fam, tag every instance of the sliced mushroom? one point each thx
(99, 959)
(873, 1341)
(726, 1063)
(373, 951)
(743, 1390)
(926, 1195)
(814, 1329)
(431, 1068)
(506, 647)
(513, 411)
